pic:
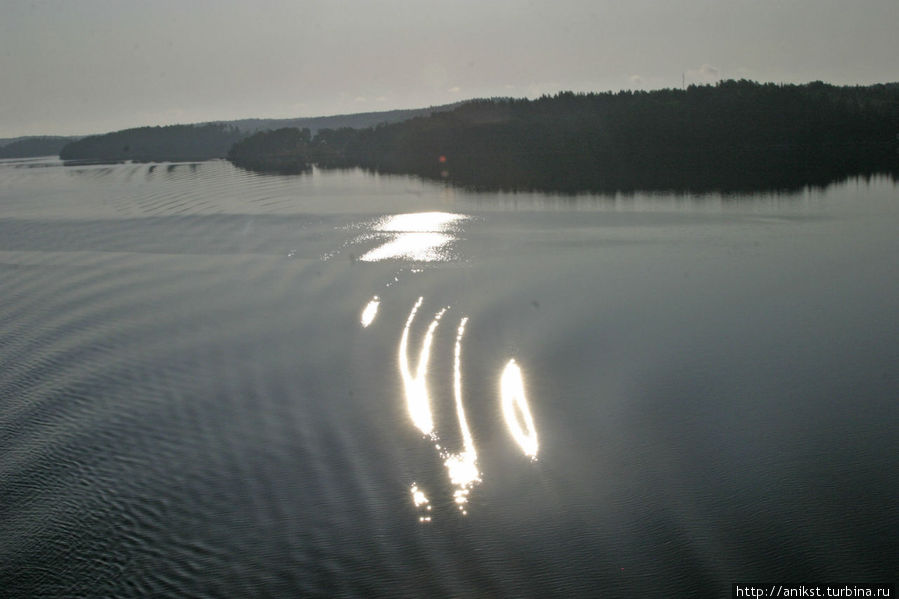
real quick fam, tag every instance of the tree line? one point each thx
(732, 136)
(29, 147)
(149, 144)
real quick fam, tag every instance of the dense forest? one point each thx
(285, 150)
(292, 151)
(175, 142)
(28, 147)
(736, 135)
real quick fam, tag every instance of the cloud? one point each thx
(704, 74)
(360, 99)
(454, 89)
(381, 99)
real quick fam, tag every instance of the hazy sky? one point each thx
(91, 66)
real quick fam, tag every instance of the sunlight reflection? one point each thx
(516, 411)
(421, 502)
(419, 222)
(417, 401)
(462, 467)
(370, 311)
(420, 236)
(420, 247)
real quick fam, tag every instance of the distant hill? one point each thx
(27, 147)
(151, 144)
(360, 120)
(204, 141)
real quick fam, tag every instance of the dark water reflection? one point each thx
(192, 404)
(734, 178)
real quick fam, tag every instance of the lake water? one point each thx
(216, 383)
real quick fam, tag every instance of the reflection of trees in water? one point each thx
(713, 177)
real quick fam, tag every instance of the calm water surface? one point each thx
(214, 383)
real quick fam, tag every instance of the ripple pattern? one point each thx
(189, 406)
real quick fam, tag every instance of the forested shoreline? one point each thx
(32, 146)
(731, 136)
(736, 135)
(149, 144)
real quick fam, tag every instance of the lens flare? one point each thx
(516, 411)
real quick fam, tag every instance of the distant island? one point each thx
(29, 147)
(733, 136)
(155, 144)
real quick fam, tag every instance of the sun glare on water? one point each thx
(461, 466)
(370, 311)
(516, 411)
(419, 237)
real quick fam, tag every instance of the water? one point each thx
(216, 383)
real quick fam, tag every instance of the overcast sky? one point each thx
(91, 66)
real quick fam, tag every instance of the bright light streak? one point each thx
(416, 386)
(462, 467)
(370, 311)
(516, 410)
(457, 387)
